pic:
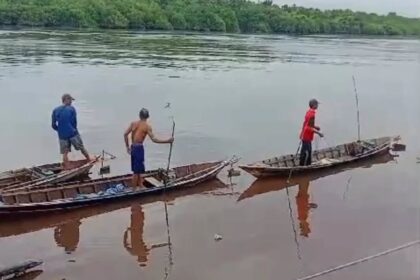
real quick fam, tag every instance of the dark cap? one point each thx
(313, 102)
(144, 114)
(66, 96)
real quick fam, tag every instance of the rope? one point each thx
(290, 205)
(359, 261)
(292, 221)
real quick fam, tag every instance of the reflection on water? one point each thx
(215, 111)
(303, 201)
(67, 235)
(133, 236)
(303, 197)
(190, 50)
(67, 225)
(303, 206)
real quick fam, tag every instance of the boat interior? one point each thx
(338, 153)
(152, 179)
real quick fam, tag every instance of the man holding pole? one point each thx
(307, 135)
(139, 130)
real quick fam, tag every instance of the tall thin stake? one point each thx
(170, 154)
(170, 256)
(357, 107)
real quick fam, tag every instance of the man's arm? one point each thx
(316, 129)
(74, 119)
(157, 140)
(54, 121)
(126, 134)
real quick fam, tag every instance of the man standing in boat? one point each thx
(139, 130)
(64, 121)
(307, 135)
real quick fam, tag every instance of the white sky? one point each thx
(409, 8)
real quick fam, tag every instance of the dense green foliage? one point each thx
(200, 15)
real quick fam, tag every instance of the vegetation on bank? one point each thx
(200, 15)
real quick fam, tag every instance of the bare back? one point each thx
(139, 131)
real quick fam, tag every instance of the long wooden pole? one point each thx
(167, 270)
(357, 107)
(170, 153)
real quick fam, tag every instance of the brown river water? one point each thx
(230, 95)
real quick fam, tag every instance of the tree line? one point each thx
(201, 15)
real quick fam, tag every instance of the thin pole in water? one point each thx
(295, 158)
(170, 255)
(360, 261)
(170, 151)
(357, 107)
(290, 204)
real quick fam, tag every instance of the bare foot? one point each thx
(139, 188)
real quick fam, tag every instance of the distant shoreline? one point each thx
(223, 16)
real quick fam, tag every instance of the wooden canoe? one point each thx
(13, 225)
(324, 158)
(55, 174)
(44, 198)
(272, 184)
(41, 172)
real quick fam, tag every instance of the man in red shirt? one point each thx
(307, 135)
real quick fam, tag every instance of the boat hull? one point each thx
(71, 203)
(264, 170)
(79, 170)
(56, 174)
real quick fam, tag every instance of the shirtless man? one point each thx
(139, 130)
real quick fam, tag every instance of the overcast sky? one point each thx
(409, 8)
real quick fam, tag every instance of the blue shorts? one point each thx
(137, 159)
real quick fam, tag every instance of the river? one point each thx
(242, 95)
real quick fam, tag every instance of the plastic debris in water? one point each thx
(217, 237)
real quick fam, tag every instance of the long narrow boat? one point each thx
(44, 198)
(322, 159)
(272, 184)
(17, 225)
(40, 173)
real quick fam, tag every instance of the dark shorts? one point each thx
(75, 141)
(137, 159)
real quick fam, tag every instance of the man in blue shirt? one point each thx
(64, 121)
